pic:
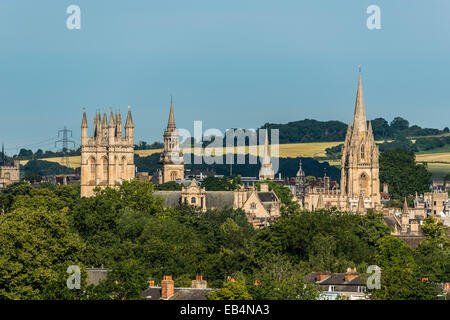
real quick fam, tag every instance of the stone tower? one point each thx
(266, 171)
(300, 184)
(171, 161)
(360, 181)
(107, 158)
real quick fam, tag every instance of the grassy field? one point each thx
(292, 150)
(438, 162)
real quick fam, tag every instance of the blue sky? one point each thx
(234, 63)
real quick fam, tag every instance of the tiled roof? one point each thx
(154, 293)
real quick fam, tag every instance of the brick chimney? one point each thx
(199, 283)
(350, 274)
(167, 287)
(322, 276)
(151, 283)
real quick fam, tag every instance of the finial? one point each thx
(104, 109)
(84, 108)
(129, 107)
(171, 99)
(359, 67)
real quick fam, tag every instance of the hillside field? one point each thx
(438, 162)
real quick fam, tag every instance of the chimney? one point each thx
(322, 276)
(385, 188)
(167, 287)
(199, 283)
(151, 283)
(264, 187)
(350, 274)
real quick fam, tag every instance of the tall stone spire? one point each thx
(171, 122)
(266, 171)
(359, 117)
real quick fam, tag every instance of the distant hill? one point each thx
(310, 130)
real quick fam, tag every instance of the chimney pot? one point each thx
(167, 287)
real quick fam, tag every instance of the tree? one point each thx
(37, 246)
(171, 185)
(231, 290)
(226, 183)
(400, 275)
(399, 170)
(399, 124)
(278, 279)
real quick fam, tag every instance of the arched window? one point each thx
(92, 167)
(253, 205)
(105, 168)
(7, 175)
(193, 200)
(363, 152)
(173, 176)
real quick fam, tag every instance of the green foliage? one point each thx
(236, 290)
(37, 247)
(226, 183)
(401, 278)
(45, 168)
(399, 170)
(171, 185)
(278, 279)
(316, 131)
(126, 229)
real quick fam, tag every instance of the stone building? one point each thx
(9, 171)
(359, 189)
(107, 158)
(171, 161)
(266, 172)
(262, 207)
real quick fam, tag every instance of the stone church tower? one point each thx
(359, 164)
(266, 171)
(107, 158)
(171, 161)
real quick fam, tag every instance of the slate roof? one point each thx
(154, 293)
(171, 198)
(337, 280)
(267, 196)
(219, 199)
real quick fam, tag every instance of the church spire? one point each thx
(359, 118)
(171, 123)
(266, 171)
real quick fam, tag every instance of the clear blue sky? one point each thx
(233, 63)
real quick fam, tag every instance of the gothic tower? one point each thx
(107, 158)
(171, 161)
(266, 171)
(359, 162)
